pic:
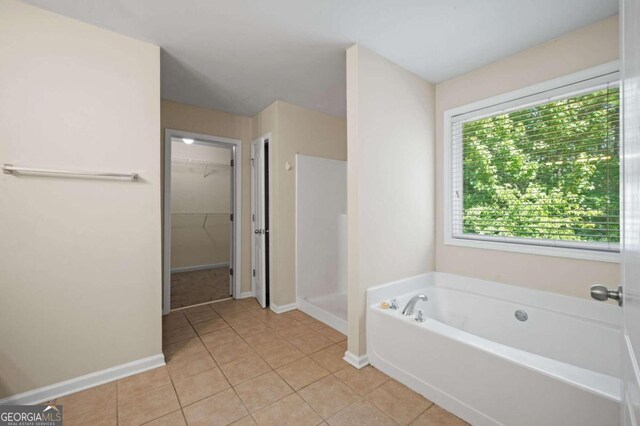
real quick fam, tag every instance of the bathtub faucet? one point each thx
(408, 310)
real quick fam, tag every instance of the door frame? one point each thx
(236, 210)
(265, 139)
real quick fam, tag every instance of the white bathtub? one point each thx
(474, 358)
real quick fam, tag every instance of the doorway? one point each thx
(260, 219)
(201, 219)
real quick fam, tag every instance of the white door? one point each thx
(232, 240)
(631, 207)
(258, 217)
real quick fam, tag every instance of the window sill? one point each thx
(570, 253)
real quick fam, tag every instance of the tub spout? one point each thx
(408, 310)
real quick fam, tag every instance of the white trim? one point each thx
(320, 314)
(77, 384)
(245, 295)
(236, 243)
(546, 88)
(199, 267)
(357, 361)
(283, 308)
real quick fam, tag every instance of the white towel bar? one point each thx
(11, 169)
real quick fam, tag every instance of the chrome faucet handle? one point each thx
(394, 304)
(420, 316)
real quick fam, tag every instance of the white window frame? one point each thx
(517, 99)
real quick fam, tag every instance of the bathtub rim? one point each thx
(585, 309)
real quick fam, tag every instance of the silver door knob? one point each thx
(602, 293)
(258, 231)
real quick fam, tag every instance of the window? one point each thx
(539, 170)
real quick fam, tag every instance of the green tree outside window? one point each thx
(550, 171)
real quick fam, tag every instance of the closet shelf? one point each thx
(206, 215)
(202, 163)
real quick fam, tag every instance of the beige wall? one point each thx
(390, 176)
(200, 206)
(217, 123)
(80, 259)
(592, 45)
(294, 130)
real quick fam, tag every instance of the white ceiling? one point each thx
(241, 55)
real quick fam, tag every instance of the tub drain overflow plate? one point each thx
(521, 315)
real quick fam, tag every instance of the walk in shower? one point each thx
(321, 239)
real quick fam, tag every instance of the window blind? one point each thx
(544, 172)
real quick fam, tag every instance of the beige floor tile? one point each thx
(296, 315)
(362, 381)
(178, 334)
(250, 328)
(219, 338)
(279, 323)
(245, 421)
(175, 319)
(302, 372)
(220, 409)
(264, 315)
(310, 342)
(262, 391)
(227, 306)
(332, 334)
(92, 406)
(88, 400)
(147, 406)
(398, 402)
(331, 358)
(231, 351)
(343, 345)
(327, 396)
(289, 411)
(290, 330)
(190, 364)
(280, 354)
(200, 313)
(238, 317)
(245, 368)
(210, 325)
(265, 339)
(183, 349)
(199, 386)
(141, 383)
(436, 416)
(173, 419)
(104, 416)
(254, 308)
(312, 323)
(360, 413)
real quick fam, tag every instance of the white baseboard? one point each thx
(321, 315)
(245, 294)
(199, 267)
(357, 361)
(283, 308)
(57, 390)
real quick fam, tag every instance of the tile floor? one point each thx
(195, 287)
(232, 362)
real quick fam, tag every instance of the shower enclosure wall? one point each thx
(321, 239)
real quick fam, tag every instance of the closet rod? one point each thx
(11, 169)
